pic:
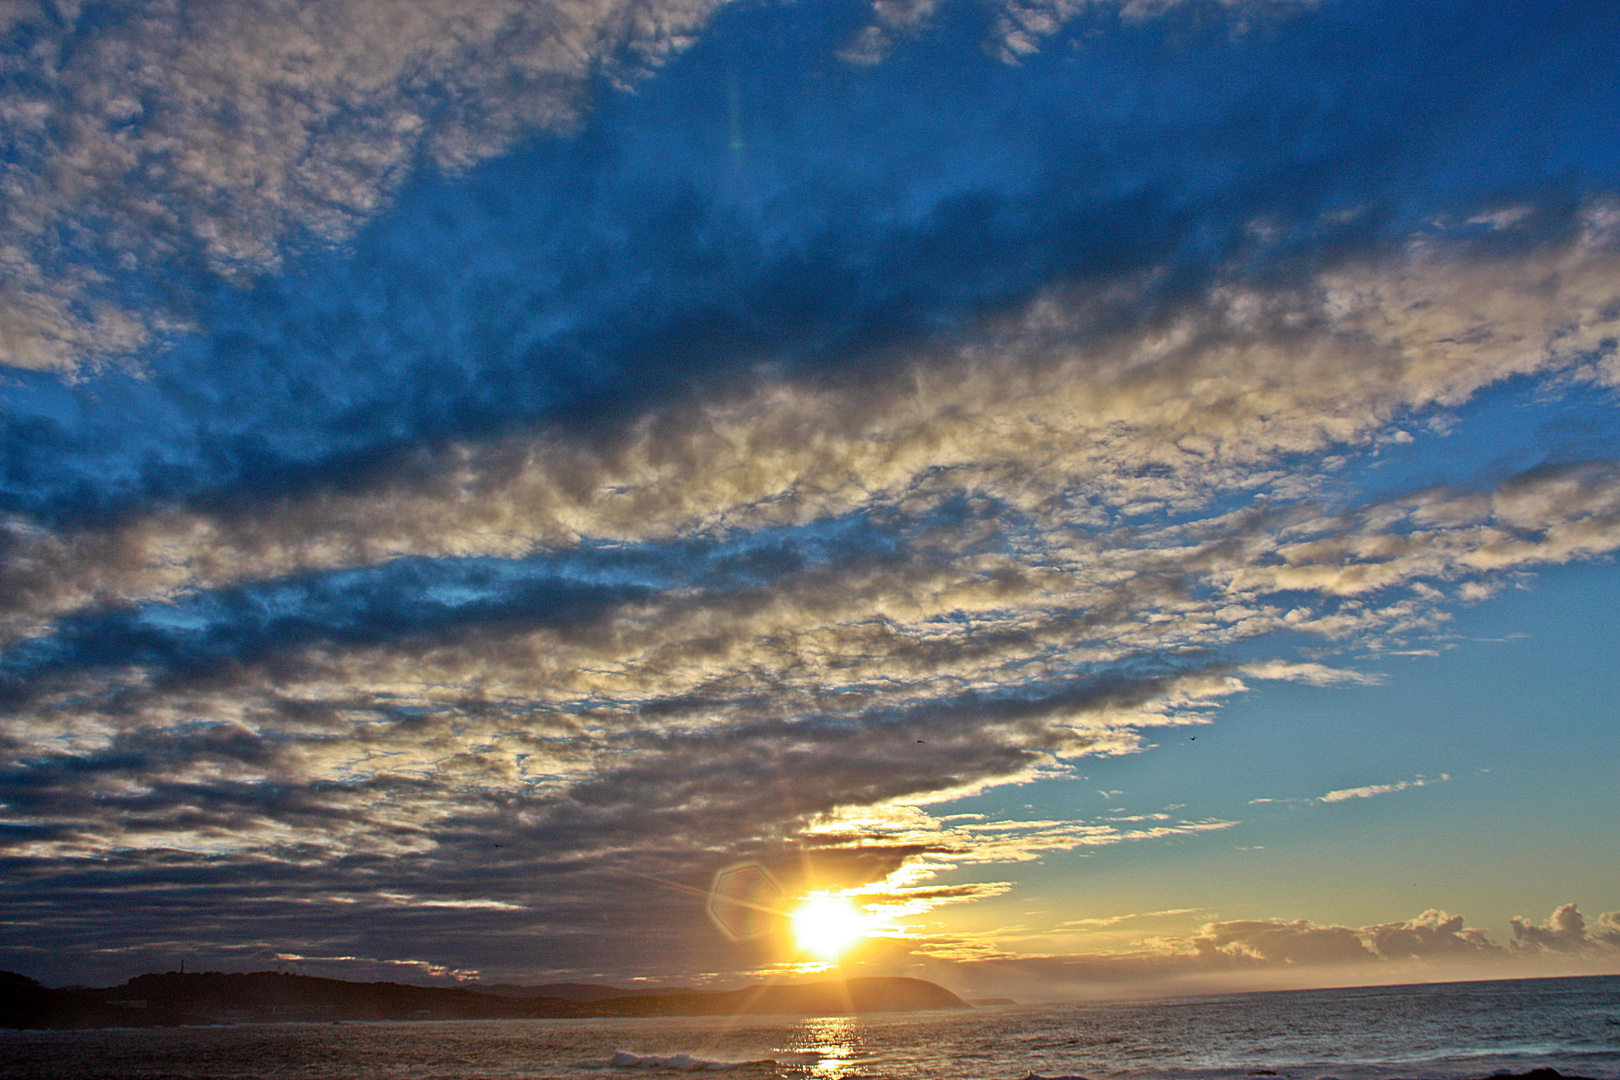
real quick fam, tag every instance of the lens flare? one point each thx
(745, 901)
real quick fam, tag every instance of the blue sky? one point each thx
(1125, 491)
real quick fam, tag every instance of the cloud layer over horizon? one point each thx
(471, 474)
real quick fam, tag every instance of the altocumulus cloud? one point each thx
(151, 135)
(520, 458)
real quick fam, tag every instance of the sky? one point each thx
(1121, 495)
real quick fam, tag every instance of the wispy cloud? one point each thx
(1116, 920)
(1366, 791)
(1370, 791)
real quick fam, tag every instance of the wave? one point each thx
(683, 1062)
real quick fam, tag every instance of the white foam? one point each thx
(682, 1062)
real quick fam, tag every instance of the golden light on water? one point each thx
(827, 925)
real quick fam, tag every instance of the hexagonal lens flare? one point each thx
(745, 901)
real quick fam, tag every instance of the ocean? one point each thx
(1426, 1032)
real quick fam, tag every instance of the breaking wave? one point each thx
(683, 1062)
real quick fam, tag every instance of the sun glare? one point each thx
(826, 925)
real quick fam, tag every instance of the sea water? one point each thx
(1430, 1032)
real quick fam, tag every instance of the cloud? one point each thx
(1023, 25)
(1020, 27)
(1226, 955)
(874, 43)
(1115, 920)
(546, 324)
(153, 146)
(1281, 943)
(1314, 674)
(740, 469)
(151, 136)
(711, 666)
(1564, 931)
(1432, 934)
(1370, 791)
(909, 445)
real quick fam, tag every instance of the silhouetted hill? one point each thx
(211, 998)
(571, 991)
(270, 995)
(24, 1003)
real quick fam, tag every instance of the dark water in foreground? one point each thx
(1433, 1032)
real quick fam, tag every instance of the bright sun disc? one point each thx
(826, 925)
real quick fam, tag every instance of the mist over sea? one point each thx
(1425, 1032)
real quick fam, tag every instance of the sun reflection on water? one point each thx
(834, 1040)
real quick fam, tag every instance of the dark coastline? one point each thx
(174, 999)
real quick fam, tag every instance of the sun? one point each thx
(826, 925)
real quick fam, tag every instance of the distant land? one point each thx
(175, 999)
(572, 991)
